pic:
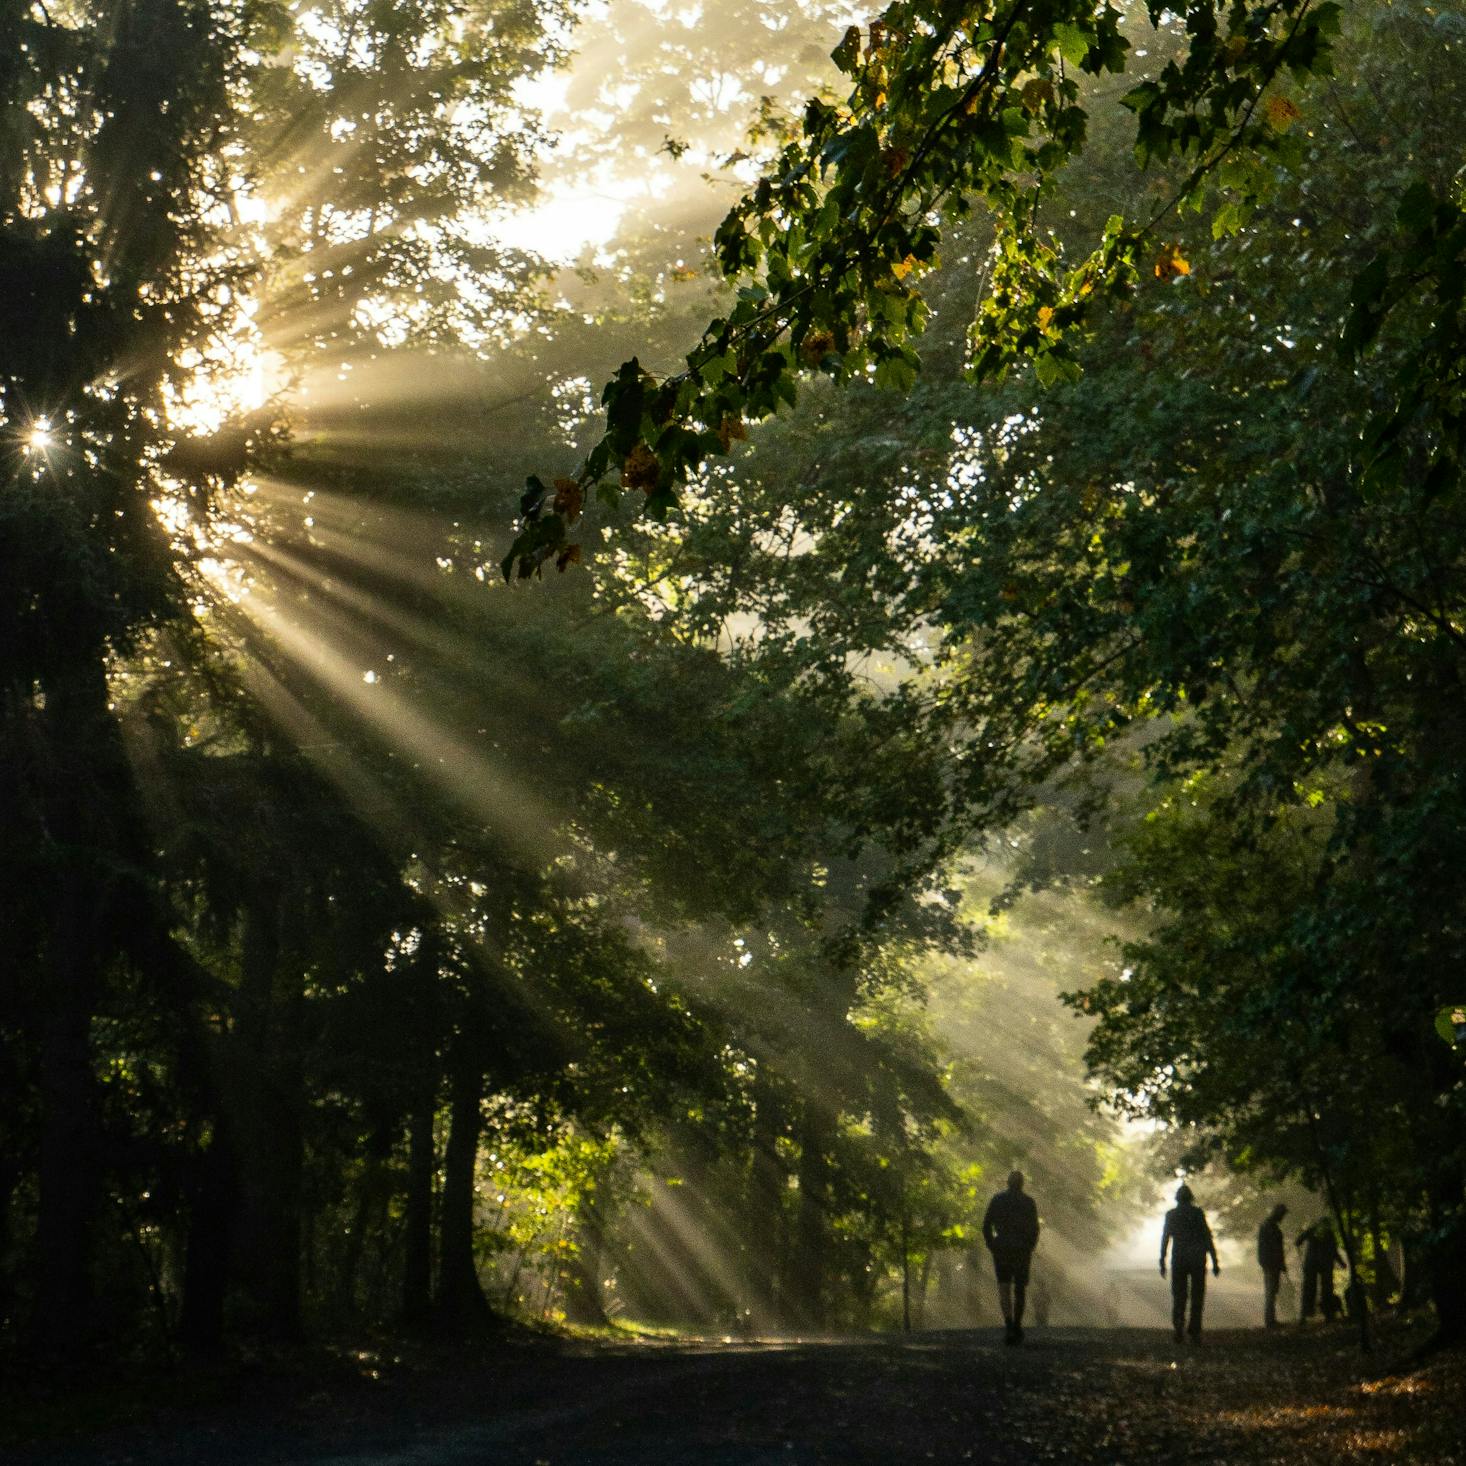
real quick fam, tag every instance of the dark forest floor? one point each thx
(1067, 1395)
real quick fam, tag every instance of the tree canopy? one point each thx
(1206, 495)
(684, 935)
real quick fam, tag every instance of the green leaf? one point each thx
(847, 54)
(1417, 207)
(716, 368)
(1231, 218)
(895, 374)
(1073, 43)
(1052, 368)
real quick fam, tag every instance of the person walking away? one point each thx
(1273, 1261)
(1189, 1239)
(1010, 1229)
(1320, 1258)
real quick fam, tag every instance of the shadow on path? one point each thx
(1068, 1395)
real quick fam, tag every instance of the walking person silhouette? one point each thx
(1010, 1229)
(1273, 1261)
(1189, 1238)
(1320, 1257)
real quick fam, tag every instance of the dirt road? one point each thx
(1067, 1395)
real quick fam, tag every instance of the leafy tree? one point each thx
(949, 105)
(1240, 524)
(107, 285)
(130, 240)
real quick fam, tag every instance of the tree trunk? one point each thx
(811, 1227)
(417, 1256)
(461, 1303)
(206, 1263)
(1447, 1262)
(84, 790)
(583, 1302)
(69, 1157)
(923, 1284)
(905, 1273)
(1355, 1294)
(264, 1124)
(1446, 1198)
(9, 1179)
(368, 1194)
(765, 1259)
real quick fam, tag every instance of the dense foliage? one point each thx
(369, 957)
(1227, 536)
(391, 942)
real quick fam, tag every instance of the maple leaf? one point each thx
(847, 54)
(640, 469)
(1281, 113)
(1036, 92)
(569, 499)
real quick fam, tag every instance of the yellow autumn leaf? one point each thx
(1045, 315)
(1171, 263)
(1281, 113)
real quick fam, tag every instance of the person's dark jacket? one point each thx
(1270, 1254)
(1320, 1250)
(1189, 1235)
(1010, 1226)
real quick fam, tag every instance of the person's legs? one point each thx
(1198, 1298)
(1178, 1300)
(1020, 1296)
(1310, 1294)
(1004, 1270)
(1271, 1281)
